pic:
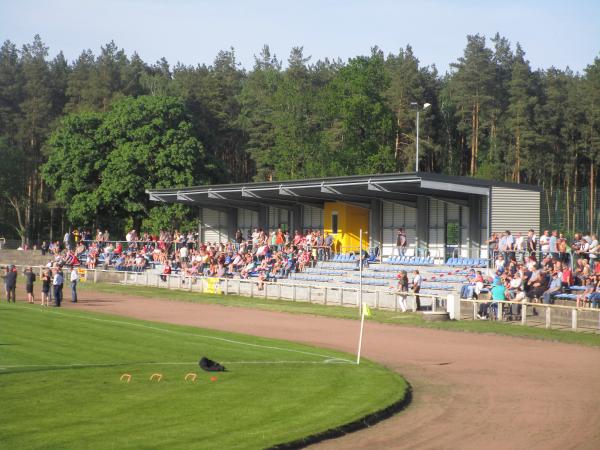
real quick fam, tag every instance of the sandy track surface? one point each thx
(469, 390)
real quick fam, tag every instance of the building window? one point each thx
(334, 222)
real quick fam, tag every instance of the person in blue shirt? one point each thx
(553, 244)
(554, 288)
(498, 292)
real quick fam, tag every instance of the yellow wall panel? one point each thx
(350, 220)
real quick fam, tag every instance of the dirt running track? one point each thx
(470, 390)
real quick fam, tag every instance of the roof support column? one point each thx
(296, 218)
(474, 227)
(263, 217)
(375, 225)
(422, 222)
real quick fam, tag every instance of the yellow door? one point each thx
(344, 222)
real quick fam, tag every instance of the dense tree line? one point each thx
(80, 141)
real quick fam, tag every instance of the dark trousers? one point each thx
(57, 294)
(417, 297)
(10, 293)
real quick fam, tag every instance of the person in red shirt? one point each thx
(166, 271)
(567, 276)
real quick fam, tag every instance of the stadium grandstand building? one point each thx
(442, 215)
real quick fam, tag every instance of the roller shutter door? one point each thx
(464, 231)
(437, 224)
(312, 218)
(516, 210)
(247, 220)
(214, 226)
(483, 220)
(398, 216)
(278, 218)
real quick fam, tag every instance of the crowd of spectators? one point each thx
(528, 268)
(258, 253)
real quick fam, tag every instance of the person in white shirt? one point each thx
(594, 250)
(416, 287)
(57, 286)
(183, 254)
(545, 242)
(74, 278)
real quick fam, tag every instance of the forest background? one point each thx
(80, 141)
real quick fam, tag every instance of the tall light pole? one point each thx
(416, 106)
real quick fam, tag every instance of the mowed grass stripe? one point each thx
(251, 406)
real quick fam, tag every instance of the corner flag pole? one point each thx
(362, 310)
(360, 266)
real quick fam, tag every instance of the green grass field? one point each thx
(381, 316)
(60, 387)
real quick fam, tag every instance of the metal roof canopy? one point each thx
(358, 189)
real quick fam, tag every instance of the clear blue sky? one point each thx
(553, 33)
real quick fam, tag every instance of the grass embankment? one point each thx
(60, 387)
(381, 316)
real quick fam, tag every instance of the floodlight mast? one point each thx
(416, 106)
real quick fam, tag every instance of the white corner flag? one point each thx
(366, 311)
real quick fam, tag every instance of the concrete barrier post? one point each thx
(377, 299)
(574, 319)
(309, 294)
(95, 276)
(251, 289)
(327, 291)
(453, 306)
(226, 286)
(474, 310)
(548, 317)
(278, 291)
(433, 304)
(294, 293)
(125, 278)
(524, 315)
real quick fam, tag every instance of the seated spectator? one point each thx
(554, 288)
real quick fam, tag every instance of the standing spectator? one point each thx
(594, 250)
(183, 254)
(401, 242)
(545, 243)
(74, 278)
(328, 242)
(57, 286)
(67, 240)
(403, 288)
(4, 281)
(416, 287)
(553, 244)
(10, 283)
(531, 241)
(510, 246)
(29, 280)
(44, 248)
(46, 281)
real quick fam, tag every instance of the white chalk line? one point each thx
(231, 341)
(114, 364)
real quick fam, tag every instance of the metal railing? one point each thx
(553, 316)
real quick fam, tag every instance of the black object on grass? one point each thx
(210, 366)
